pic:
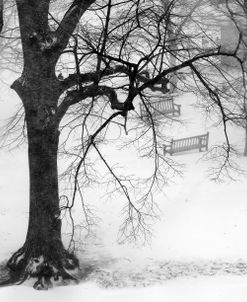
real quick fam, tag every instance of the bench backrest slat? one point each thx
(164, 106)
(189, 143)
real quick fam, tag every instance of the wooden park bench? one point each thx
(162, 107)
(189, 143)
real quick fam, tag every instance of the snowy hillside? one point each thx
(199, 248)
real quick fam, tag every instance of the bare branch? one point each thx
(75, 96)
(70, 21)
(95, 76)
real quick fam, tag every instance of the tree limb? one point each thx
(184, 64)
(70, 20)
(76, 96)
(75, 79)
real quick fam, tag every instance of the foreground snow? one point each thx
(122, 279)
(203, 289)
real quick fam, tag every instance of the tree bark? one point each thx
(43, 255)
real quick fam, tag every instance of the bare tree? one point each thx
(233, 95)
(237, 13)
(84, 68)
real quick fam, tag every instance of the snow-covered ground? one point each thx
(218, 289)
(199, 249)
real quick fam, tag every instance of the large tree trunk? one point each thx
(43, 255)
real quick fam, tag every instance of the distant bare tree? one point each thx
(238, 14)
(233, 95)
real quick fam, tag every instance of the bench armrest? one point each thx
(177, 106)
(167, 148)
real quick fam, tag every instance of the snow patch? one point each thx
(20, 257)
(34, 263)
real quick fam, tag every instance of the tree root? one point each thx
(47, 271)
(14, 279)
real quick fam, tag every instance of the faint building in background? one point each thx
(230, 28)
(229, 41)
